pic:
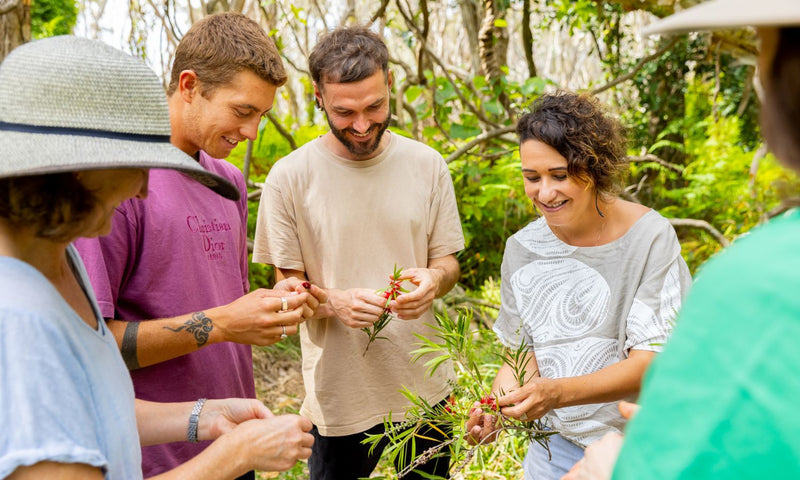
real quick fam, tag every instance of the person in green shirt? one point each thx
(721, 400)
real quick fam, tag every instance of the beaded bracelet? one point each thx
(194, 417)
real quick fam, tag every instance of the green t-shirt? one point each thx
(723, 399)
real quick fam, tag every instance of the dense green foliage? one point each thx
(692, 108)
(716, 149)
(53, 17)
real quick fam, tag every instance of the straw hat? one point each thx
(728, 14)
(69, 103)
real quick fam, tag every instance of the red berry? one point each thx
(490, 402)
(306, 285)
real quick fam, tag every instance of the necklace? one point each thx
(561, 235)
(600, 232)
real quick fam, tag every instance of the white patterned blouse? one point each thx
(584, 308)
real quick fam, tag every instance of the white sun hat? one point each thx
(729, 14)
(69, 104)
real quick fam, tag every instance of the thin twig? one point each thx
(321, 15)
(652, 158)
(460, 299)
(282, 131)
(381, 11)
(483, 137)
(641, 63)
(255, 194)
(748, 91)
(633, 190)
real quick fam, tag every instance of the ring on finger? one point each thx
(284, 304)
(283, 335)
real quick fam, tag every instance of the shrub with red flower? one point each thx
(456, 343)
(389, 293)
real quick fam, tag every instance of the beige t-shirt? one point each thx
(346, 224)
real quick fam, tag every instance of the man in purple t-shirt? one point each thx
(172, 275)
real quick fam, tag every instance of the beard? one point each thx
(361, 150)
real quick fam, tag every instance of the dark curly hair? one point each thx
(56, 205)
(582, 131)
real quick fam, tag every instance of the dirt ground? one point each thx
(279, 384)
(278, 375)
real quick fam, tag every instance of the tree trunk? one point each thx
(470, 15)
(423, 62)
(493, 41)
(15, 25)
(527, 37)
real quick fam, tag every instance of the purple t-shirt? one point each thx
(182, 249)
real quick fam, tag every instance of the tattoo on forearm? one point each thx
(128, 348)
(199, 326)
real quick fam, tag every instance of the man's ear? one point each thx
(188, 85)
(389, 79)
(317, 96)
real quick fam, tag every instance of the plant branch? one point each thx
(321, 14)
(641, 63)
(787, 204)
(381, 11)
(702, 225)
(483, 137)
(282, 131)
(474, 301)
(173, 37)
(761, 152)
(652, 158)
(255, 194)
(633, 190)
(748, 91)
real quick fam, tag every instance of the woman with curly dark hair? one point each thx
(590, 288)
(730, 372)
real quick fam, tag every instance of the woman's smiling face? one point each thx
(562, 199)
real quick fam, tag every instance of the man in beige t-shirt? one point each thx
(341, 211)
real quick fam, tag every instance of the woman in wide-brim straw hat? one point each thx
(80, 125)
(721, 401)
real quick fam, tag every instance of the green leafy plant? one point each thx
(389, 293)
(456, 341)
(53, 17)
(492, 205)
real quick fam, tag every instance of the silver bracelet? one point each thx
(194, 417)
